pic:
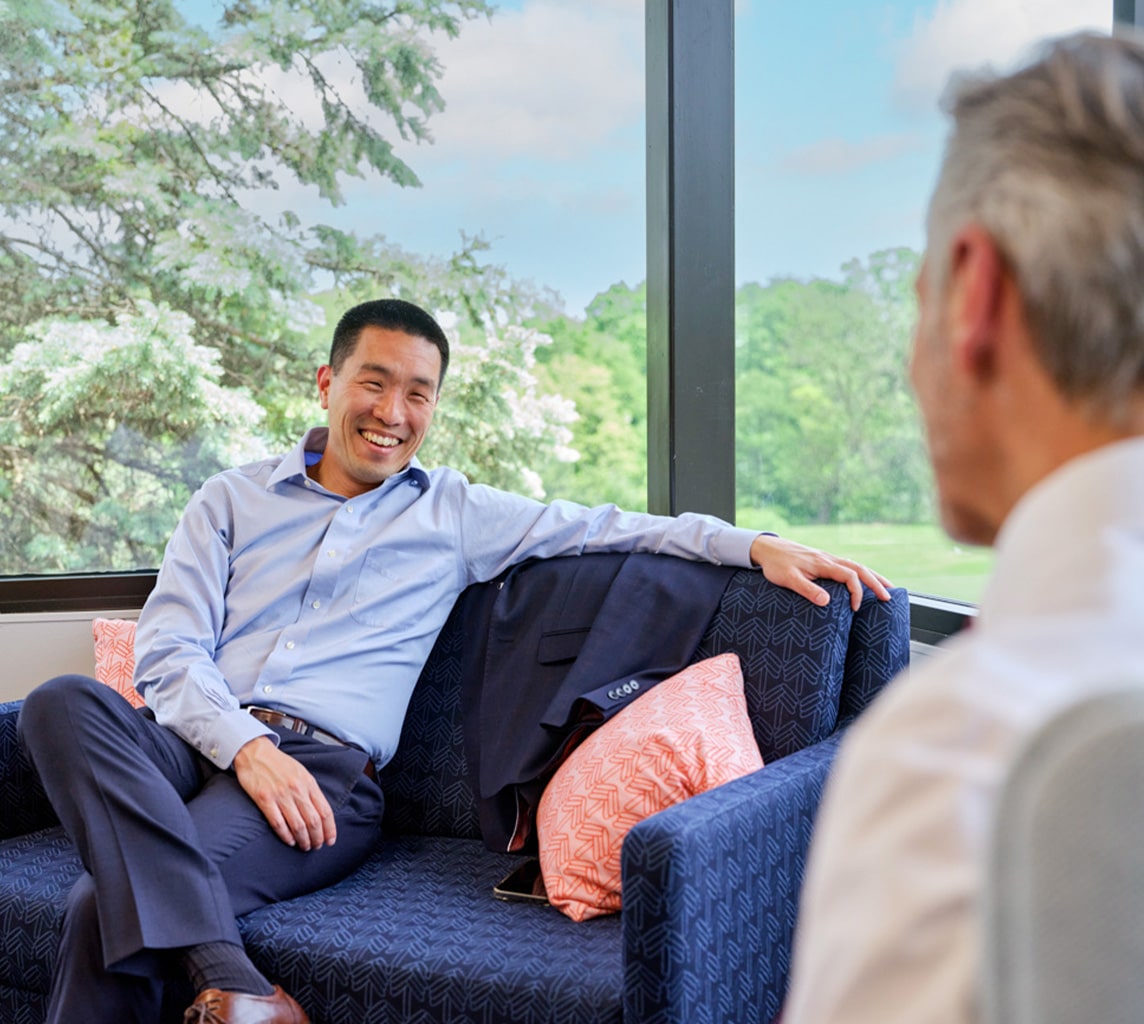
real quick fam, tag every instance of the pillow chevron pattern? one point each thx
(689, 734)
(115, 656)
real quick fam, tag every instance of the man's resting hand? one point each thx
(796, 567)
(286, 794)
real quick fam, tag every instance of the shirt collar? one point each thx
(1066, 536)
(308, 452)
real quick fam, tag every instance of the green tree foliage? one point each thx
(133, 147)
(600, 363)
(826, 428)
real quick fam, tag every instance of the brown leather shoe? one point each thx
(214, 1006)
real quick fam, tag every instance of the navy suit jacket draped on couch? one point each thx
(555, 648)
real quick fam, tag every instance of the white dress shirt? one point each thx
(890, 928)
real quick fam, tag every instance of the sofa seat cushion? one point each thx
(416, 935)
(36, 873)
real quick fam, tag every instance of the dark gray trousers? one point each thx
(173, 848)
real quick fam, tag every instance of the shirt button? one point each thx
(289, 645)
(309, 482)
(268, 689)
(349, 508)
(214, 751)
(316, 604)
(332, 553)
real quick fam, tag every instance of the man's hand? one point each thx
(286, 794)
(796, 567)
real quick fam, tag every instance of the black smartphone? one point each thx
(524, 884)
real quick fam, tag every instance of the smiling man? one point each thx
(1029, 368)
(298, 600)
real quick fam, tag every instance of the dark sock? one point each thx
(225, 966)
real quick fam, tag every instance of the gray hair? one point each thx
(1050, 161)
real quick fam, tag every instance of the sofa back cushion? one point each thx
(793, 654)
(879, 649)
(426, 784)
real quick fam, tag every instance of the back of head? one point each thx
(1050, 161)
(389, 315)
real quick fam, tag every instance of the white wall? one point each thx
(36, 646)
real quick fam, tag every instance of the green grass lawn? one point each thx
(919, 557)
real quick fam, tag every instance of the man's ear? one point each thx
(325, 375)
(978, 275)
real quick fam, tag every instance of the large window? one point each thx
(194, 190)
(838, 140)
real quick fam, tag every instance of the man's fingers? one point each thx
(288, 796)
(875, 581)
(320, 826)
(792, 565)
(854, 575)
(305, 821)
(803, 584)
(311, 819)
(278, 823)
(329, 825)
(844, 574)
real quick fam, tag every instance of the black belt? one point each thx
(269, 716)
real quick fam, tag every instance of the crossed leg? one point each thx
(172, 847)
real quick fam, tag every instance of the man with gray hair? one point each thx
(1028, 364)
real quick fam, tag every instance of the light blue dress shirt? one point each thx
(275, 591)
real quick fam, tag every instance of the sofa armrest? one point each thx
(710, 890)
(23, 805)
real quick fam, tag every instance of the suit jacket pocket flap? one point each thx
(561, 645)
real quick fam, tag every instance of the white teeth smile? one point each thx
(380, 440)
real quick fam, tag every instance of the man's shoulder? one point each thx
(230, 483)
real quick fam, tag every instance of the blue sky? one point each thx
(838, 133)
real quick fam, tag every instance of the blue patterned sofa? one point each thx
(415, 936)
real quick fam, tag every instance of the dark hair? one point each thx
(391, 315)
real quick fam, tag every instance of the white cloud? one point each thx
(840, 156)
(553, 80)
(549, 81)
(967, 34)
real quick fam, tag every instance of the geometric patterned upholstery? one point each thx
(23, 805)
(879, 649)
(426, 784)
(416, 935)
(710, 885)
(38, 870)
(792, 653)
(711, 891)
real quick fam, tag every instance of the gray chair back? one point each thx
(1064, 900)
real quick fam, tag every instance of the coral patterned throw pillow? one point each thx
(689, 734)
(115, 656)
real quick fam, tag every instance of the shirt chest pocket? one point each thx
(395, 589)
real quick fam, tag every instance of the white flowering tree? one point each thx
(107, 430)
(160, 317)
(492, 422)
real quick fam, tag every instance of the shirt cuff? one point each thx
(732, 546)
(229, 734)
